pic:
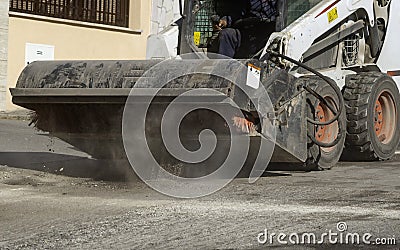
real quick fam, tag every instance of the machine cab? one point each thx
(197, 27)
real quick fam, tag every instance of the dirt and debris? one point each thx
(40, 209)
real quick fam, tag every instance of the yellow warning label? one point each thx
(197, 36)
(333, 15)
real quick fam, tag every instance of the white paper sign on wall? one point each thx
(38, 52)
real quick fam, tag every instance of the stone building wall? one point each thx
(3, 52)
(164, 13)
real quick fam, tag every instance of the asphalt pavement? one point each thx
(50, 198)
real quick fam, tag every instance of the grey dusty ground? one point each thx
(49, 200)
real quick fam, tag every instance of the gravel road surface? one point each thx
(50, 198)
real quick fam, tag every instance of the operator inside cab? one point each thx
(242, 27)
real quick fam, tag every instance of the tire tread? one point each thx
(357, 94)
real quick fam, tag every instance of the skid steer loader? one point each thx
(331, 71)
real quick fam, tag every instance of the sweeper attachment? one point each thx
(323, 84)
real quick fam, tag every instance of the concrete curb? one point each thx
(24, 115)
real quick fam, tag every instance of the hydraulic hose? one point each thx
(318, 96)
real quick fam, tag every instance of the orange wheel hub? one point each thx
(384, 117)
(321, 132)
(326, 133)
(378, 118)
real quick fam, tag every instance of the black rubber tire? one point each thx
(361, 94)
(320, 158)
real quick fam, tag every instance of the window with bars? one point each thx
(109, 12)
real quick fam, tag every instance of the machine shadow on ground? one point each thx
(67, 165)
(83, 167)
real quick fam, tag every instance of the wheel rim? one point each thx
(327, 133)
(385, 117)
